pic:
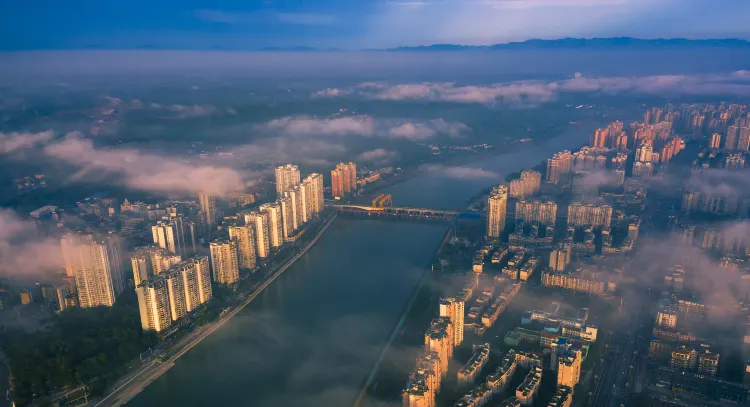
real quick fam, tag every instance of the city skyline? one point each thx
(324, 204)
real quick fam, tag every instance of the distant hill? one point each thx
(588, 43)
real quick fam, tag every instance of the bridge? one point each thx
(381, 207)
(401, 212)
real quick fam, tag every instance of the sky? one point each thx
(353, 24)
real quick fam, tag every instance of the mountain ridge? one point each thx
(586, 43)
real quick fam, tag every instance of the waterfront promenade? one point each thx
(129, 387)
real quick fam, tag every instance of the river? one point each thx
(312, 336)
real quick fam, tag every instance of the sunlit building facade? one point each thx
(496, 210)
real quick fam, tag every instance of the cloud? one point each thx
(12, 142)
(525, 4)
(305, 150)
(147, 172)
(192, 111)
(412, 131)
(366, 126)
(331, 92)
(409, 4)
(720, 182)
(461, 172)
(449, 92)
(306, 18)
(239, 17)
(305, 126)
(598, 178)
(535, 92)
(732, 84)
(378, 155)
(23, 252)
(716, 287)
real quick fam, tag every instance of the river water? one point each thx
(312, 336)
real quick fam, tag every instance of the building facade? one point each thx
(244, 238)
(287, 176)
(496, 210)
(225, 261)
(95, 264)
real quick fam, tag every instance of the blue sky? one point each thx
(353, 24)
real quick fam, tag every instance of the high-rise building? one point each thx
(569, 369)
(424, 382)
(645, 153)
(643, 169)
(666, 318)
(297, 196)
(288, 217)
(259, 220)
(558, 167)
(684, 358)
(353, 175)
(208, 212)
(708, 363)
(175, 234)
(275, 224)
(94, 262)
(589, 215)
(343, 180)
(734, 161)
(715, 142)
(313, 184)
(732, 139)
(337, 183)
(175, 282)
(153, 303)
(453, 309)
(743, 141)
(439, 339)
(287, 176)
(496, 209)
(527, 185)
(196, 281)
(536, 211)
(224, 261)
(151, 261)
(244, 237)
(560, 257)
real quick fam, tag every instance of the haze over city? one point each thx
(375, 203)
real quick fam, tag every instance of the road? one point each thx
(129, 387)
(623, 359)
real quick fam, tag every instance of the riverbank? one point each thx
(398, 329)
(130, 386)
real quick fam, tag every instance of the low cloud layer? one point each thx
(378, 155)
(365, 126)
(534, 92)
(12, 142)
(145, 172)
(462, 172)
(449, 92)
(23, 253)
(183, 111)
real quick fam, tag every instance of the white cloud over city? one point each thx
(23, 252)
(17, 141)
(364, 125)
(534, 92)
(144, 171)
